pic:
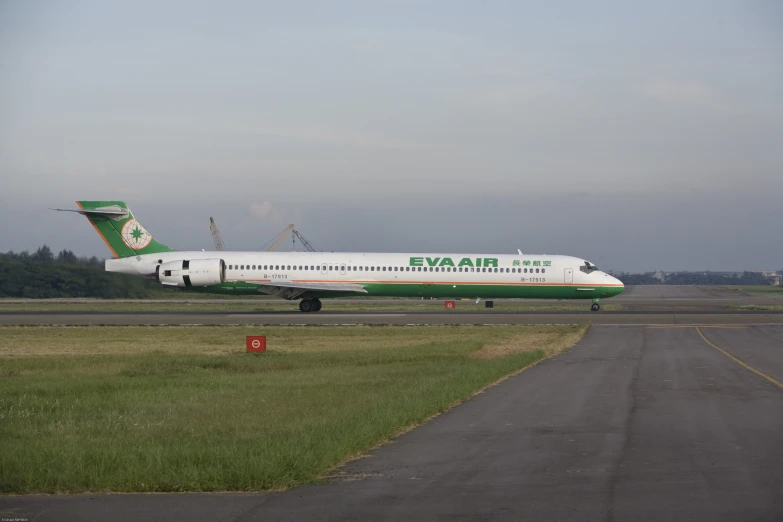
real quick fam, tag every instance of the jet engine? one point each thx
(196, 272)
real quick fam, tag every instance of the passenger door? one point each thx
(569, 275)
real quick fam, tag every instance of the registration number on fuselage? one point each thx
(534, 280)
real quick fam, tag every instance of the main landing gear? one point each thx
(310, 305)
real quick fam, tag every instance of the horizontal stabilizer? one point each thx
(112, 212)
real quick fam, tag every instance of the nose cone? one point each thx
(613, 286)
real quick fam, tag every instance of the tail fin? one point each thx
(116, 225)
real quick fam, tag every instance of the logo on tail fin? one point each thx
(134, 235)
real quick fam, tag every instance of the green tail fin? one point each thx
(115, 223)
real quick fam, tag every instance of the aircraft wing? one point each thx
(293, 289)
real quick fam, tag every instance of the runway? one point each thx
(673, 423)
(696, 317)
(640, 305)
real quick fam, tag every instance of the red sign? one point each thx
(450, 305)
(255, 343)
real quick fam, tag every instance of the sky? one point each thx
(639, 135)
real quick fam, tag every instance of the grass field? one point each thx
(185, 409)
(276, 305)
(757, 290)
(770, 308)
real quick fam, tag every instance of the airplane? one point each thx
(311, 276)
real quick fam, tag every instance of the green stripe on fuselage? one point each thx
(442, 290)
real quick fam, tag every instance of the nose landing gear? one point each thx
(595, 307)
(310, 305)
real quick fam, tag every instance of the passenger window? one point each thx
(230, 267)
(342, 269)
(543, 270)
(536, 270)
(372, 269)
(437, 269)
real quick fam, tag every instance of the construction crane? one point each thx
(213, 229)
(305, 243)
(280, 237)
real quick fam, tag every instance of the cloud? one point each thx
(693, 94)
(264, 210)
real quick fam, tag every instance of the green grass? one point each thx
(770, 308)
(185, 409)
(757, 290)
(282, 306)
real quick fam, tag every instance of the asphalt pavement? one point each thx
(345, 318)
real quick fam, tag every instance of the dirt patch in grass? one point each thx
(548, 342)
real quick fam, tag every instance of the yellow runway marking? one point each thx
(727, 354)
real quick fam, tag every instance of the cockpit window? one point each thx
(588, 267)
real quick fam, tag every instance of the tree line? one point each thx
(42, 274)
(696, 278)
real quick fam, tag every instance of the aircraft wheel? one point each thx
(595, 307)
(307, 305)
(317, 303)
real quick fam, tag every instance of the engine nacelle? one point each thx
(196, 272)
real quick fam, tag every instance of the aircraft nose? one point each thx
(615, 286)
(620, 285)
